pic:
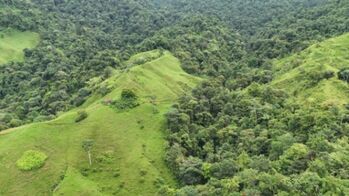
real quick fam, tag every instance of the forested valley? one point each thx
(263, 107)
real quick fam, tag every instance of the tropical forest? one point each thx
(174, 97)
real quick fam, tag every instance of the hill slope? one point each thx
(13, 42)
(284, 137)
(128, 151)
(311, 75)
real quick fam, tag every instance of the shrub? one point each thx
(141, 180)
(128, 94)
(15, 123)
(81, 96)
(316, 76)
(128, 100)
(104, 90)
(116, 174)
(106, 157)
(85, 171)
(78, 101)
(81, 116)
(143, 172)
(3, 126)
(31, 160)
(344, 75)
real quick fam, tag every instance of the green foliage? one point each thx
(12, 44)
(309, 75)
(82, 115)
(106, 157)
(223, 40)
(128, 100)
(75, 184)
(15, 123)
(257, 126)
(294, 159)
(128, 94)
(268, 138)
(31, 160)
(190, 171)
(121, 149)
(87, 144)
(344, 75)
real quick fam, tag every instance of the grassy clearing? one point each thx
(292, 73)
(76, 184)
(12, 44)
(129, 146)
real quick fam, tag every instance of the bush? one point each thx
(143, 172)
(344, 75)
(128, 100)
(128, 94)
(316, 76)
(3, 126)
(106, 157)
(104, 90)
(31, 160)
(81, 116)
(15, 123)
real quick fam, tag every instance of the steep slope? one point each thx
(128, 150)
(13, 42)
(276, 138)
(311, 75)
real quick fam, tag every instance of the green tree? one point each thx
(87, 145)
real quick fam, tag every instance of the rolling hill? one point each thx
(311, 75)
(129, 145)
(12, 44)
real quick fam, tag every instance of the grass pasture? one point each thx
(293, 73)
(129, 146)
(12, 44)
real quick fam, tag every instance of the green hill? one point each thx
(13, 42)
(129, 146)
(311, 75)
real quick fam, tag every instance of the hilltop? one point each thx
(311, 75)
(129, 146)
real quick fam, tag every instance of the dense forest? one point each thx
(235, 133)
(102, 34)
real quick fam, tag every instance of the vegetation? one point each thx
(128, 100)
(31, 160)
(344, 75)
(75, 47)
(315, 74)
(13, 44)
(122, 152)
(270, 117)
(87, 146)
(260, 139)
(82, 115)
(76, 184)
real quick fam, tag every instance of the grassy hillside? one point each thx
(129, 146)
(13, 42)
(302, 74)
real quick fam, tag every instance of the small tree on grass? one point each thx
(82, 115)
(128, 100)
(87, 146)
(128, 94)
(344, 75)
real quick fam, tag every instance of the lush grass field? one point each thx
(13, 42)
(293, 73)
(129, 148)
